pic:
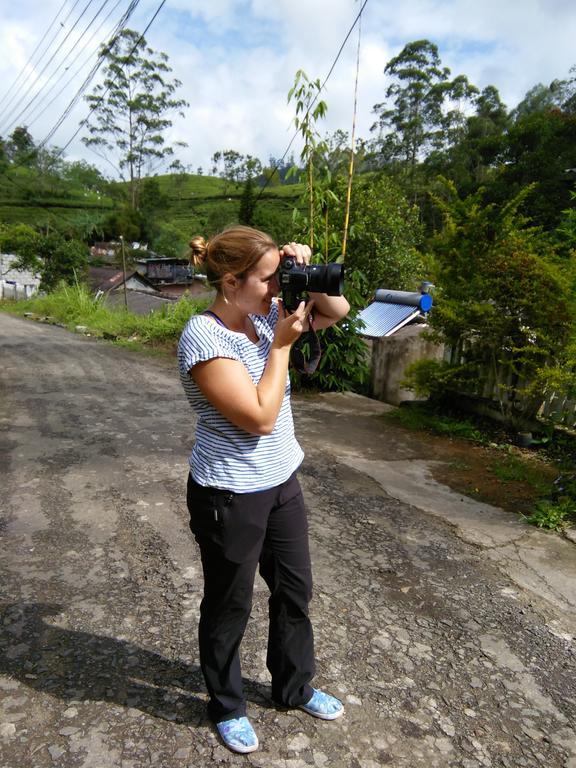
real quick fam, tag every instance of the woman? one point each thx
(245, 503)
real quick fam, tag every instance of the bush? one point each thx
(497, 281)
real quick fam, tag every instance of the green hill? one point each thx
(49, 201)
(188, 202)
(203, 204)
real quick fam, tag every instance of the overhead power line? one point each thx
(97, 104)
(12, 120)
(47, 98)
(131, 8)
(314, 100)
(42, 40)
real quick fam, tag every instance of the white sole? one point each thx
(321, 716)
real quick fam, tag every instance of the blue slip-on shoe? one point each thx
(324, 706)
(238, 735)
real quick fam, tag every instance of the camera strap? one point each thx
(306, 351)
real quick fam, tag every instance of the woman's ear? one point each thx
(229, 285)
(230, 281)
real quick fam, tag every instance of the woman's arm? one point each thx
(227, 385)
(328, 310)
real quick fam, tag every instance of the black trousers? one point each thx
(236, 533)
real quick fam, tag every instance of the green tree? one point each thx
(123, 221)
(344, 363)
(170, 241)
(538, 150)
(475, 156)
(247, 203)
(539, 98)
(132, 108)
(53, 256)
(152, 209)
(497, 281)
(3, 155)
(82, 175)
(309, 109)
(424, 110)
(565, 234)
(568, 91)
(384, 236)
(234, 167)
(21, 148)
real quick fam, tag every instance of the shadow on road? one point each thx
(78, 666)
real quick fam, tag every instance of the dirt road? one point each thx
(439, 656)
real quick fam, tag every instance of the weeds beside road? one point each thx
(481, 460)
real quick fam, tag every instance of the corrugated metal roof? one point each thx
(383, 319)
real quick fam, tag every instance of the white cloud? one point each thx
(237, 59)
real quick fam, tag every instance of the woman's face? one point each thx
(260, 286)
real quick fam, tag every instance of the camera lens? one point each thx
(326, 279)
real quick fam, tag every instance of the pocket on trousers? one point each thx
(233, 522)
(209, 509)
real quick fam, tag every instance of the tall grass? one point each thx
(74, 305)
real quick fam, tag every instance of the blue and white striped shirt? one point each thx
(225, 456)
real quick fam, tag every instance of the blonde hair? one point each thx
(235, 250)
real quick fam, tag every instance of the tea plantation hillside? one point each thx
(190, 203)
(49, 202)
(206, 203)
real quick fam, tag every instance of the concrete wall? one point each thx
(16, 283)
(392, 355)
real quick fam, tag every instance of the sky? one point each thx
(237, 59)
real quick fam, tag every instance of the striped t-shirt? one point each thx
(225, 456)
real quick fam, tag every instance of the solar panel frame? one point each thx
(382, 319)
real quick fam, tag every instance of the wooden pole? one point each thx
(124, 272)
(352, 143)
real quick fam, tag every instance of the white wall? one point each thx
(16, 283)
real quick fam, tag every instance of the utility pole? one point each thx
(124, 271)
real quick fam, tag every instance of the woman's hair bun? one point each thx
(198, 250)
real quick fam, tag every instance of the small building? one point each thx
(16, 283)
(107, 252)
(172, 276)
(393, 326)
(164, 269)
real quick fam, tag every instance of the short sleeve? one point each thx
(272, 317)
(202, 339)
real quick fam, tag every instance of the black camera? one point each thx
(296, 279)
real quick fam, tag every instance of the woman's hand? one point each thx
(289, 327)
(328, 310)
(298, 251)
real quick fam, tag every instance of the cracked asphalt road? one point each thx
(442, 647)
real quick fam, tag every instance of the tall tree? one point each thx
(473, 158)
(132, 109)
(423, 110)
(247, 203)
(309, 109)
(539, 98)
(21, 147)
(539, 150)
